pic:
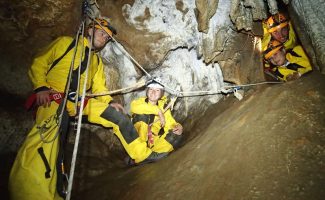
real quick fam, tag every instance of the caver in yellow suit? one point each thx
(274, 23)
(33, 175)
(144, 113)
(296, 62)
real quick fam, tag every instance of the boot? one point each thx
(153, 157)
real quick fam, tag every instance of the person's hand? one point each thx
(118, 107)
(293, 76)
(161, 118)
(178, 129)
(43, 98)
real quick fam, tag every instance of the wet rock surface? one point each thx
(270, 145)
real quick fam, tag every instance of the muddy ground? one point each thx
(270, 145)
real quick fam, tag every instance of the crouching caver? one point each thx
(156, 127)
(286, 65)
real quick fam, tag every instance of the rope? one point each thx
(223, 90)
(139, 84)
(123, 49)
(79, 70)
(75, 149)
(253, 84)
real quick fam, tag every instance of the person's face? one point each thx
(278, 58)
(101, 38)
(154, 94)
(281, 34)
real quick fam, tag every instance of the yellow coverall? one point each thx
(144, 113)
(297, 62)
(27, 180)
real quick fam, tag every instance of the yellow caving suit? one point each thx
(27, 178)
(144, 113)
(297, 61)
(289, 44)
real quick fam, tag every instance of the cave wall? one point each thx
(308, 20)
(191, 44)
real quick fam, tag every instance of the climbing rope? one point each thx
(123, 50)
(177, 93)
(223, 90)
(76, 144)
(138, 85)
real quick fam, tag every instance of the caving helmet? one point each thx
(276, 22)
(155, 83)
(273, 47)
(106, 26)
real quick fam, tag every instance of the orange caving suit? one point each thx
(144, 113)
(27, 180)
(297, 62)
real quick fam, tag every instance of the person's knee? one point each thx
(173, 139)
(122, 121)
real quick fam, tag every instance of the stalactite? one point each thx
(206, 9)
(258, 9)
(286, 1)
(273, 6)
(241, 16)
(244, 12)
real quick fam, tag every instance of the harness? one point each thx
(57, 97)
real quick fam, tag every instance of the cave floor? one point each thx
(270, 145)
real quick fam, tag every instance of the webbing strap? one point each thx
(75, 73)
(46, 163)
(60, 58)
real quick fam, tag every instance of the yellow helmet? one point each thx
(276, 22)
(273, 47)
(105, 25)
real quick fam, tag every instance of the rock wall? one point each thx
(308, 20)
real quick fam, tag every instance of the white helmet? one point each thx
(155, 83)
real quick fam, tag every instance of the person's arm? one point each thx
(302, 60)
(171, 124)
(43, 61)
(292, 41)
(99, 83)
(40, 67)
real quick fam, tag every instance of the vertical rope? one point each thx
(76, 144)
